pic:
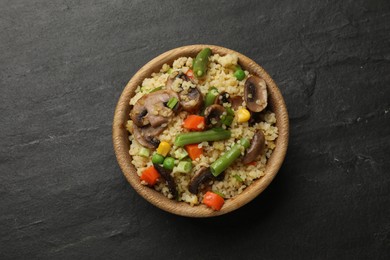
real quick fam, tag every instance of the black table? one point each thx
(63, 65)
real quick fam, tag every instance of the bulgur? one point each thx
(220, 74)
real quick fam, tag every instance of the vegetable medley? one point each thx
(208, 117)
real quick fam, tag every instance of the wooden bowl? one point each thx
(122, 144)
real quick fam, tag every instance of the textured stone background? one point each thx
(63, 65)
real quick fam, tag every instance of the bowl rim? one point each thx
(121, 142)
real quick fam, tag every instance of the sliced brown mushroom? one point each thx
(171, 79)
(256, 117)
(213, 115)
(191, 100)
(223, 97)
(166, 174)
(139, 112)
(147, 135)
(236, 102)
(201, 176)
(175, 75)
(255, 94)
(151, 109)
(256, 148)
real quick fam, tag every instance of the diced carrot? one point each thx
(150, 175)
(213, 200)
(194, 122)
(252, 163)
(194, 151)
(190, 74)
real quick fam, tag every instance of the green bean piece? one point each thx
(245, 142)
(210, 96)
(156, 89)
(157, 158)
(227, 120)
(172, 102)
(180, 153)
(223, 162)
(201, 62)
(229, 111)
(144, 152)
(184, 167)
(169, 163)
(214, 134)
(238, 178)
(219, 193)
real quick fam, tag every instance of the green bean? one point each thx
(238, 178)
(184, 167)
(214, 134)
(223, 162)
(219, 193)
(172, 102)
(144, 152)
(180, 153)
(210, 96)
(229, 111)
(227, 120)
(201, 62)
(156, 89)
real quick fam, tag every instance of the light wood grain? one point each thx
(121, 142)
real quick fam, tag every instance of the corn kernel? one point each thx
(163, 148)
(243, 115)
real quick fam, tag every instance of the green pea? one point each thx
(239, 74)
(157, 158)
(169, 163)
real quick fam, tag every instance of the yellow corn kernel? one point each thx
(243, 115)
(163, 148)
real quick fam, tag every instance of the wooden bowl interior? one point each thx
(121, 141)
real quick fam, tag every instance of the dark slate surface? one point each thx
(63, 65)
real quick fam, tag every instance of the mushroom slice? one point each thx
(236, 102)
(256, 149)
(256, 117)
(171, 79)
(155, 104)
(139, 112)
(166, 174)
(223, 97)
(213, 115)
(191, 100)
(174, 75)
(151, 109)
(255, 94)
(202, 175)
(147, 135)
